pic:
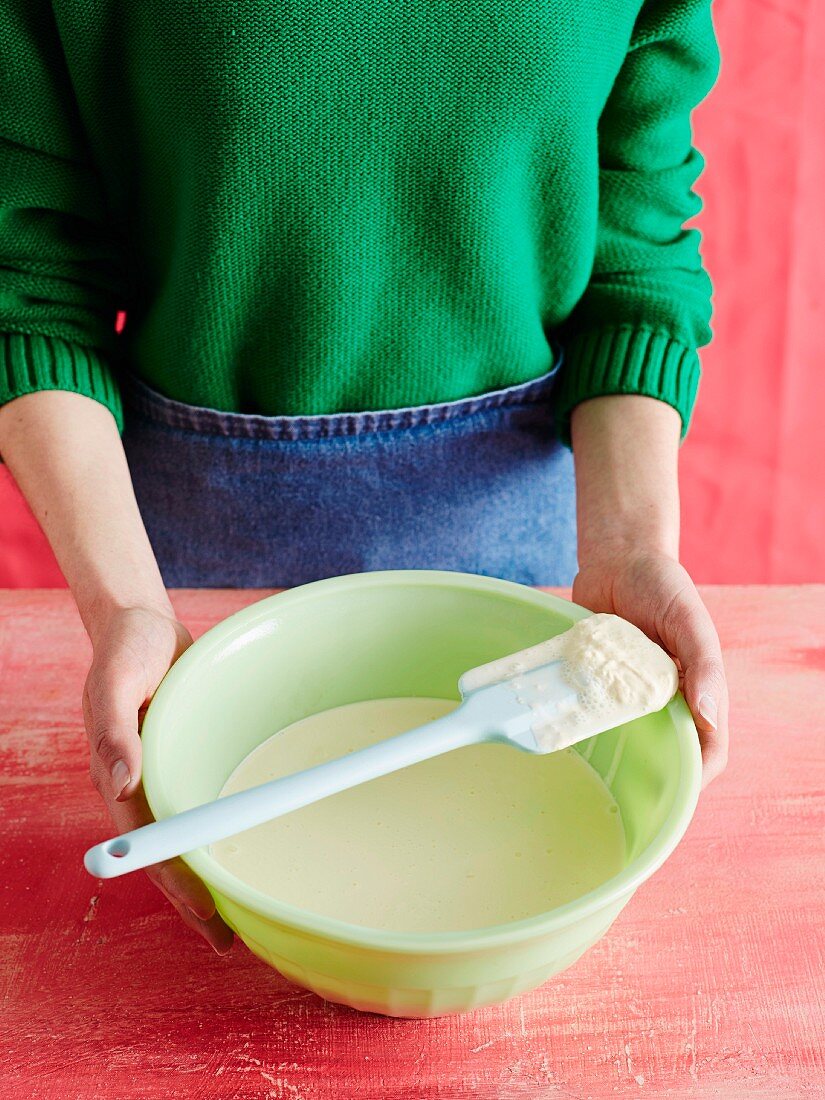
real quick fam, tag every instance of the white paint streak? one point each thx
(92, 910)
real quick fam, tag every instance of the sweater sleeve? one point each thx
(60, 272)
(647, 306)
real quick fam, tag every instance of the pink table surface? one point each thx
(710, 983)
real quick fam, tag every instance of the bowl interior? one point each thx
(369, 636)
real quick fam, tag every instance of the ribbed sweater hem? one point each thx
(626, 359)
(33, 362)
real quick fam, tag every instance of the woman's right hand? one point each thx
(66, 455)
(134, 648)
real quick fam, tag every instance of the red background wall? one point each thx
(753, 470)
(753, 466)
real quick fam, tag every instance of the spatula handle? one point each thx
(173, 836)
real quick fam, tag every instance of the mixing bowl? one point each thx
(377, 635)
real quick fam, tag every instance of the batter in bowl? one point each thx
(479, 836)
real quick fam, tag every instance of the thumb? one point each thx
(706, 696)
(110, 709)
(690, 634)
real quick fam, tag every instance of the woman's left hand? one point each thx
(653, 591)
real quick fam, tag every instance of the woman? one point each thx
(382, 266)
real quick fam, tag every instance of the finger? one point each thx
(689, 633)
(214, 931)
(707, 698)
(110, 707)
(178, 882)
(714, 754)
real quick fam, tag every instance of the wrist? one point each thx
(627, 488)
(99, 607)
(628, 537)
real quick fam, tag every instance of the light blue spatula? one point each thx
(510, 711)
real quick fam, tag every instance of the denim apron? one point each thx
(480, 485)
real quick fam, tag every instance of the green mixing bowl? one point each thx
(377, 635)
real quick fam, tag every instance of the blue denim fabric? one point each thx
(479, 485)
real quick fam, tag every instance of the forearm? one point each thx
(626, 455)
(65, 453)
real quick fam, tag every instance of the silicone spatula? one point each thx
(512, 711)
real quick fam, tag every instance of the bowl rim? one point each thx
(615, 890)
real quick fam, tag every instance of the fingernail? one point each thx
(204, 914)
(120, 777)
(708, 709)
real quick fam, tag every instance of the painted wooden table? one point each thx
(710, 983)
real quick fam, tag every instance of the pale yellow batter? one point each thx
(617, 672)
(479, 836)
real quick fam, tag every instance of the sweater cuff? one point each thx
(31, 362)
(630, 360)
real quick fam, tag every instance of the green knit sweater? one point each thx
(316, 206)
